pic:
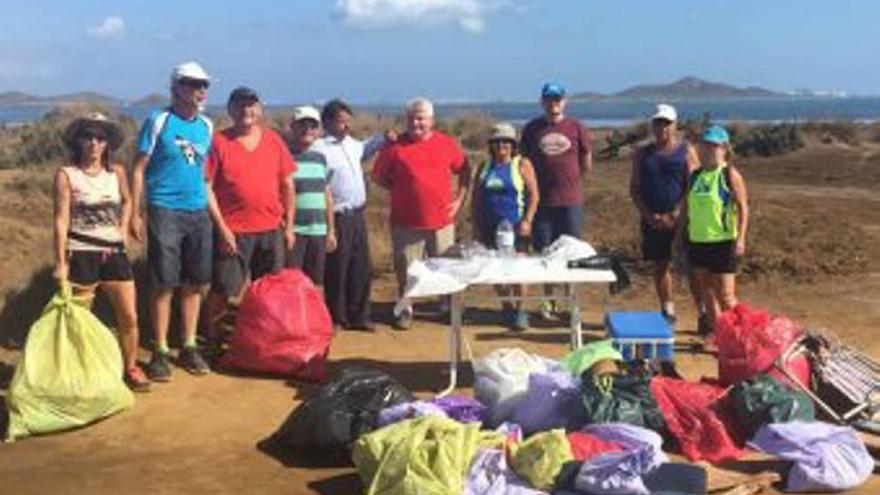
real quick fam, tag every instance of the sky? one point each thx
(386, 51)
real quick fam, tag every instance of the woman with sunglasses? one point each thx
(717, 222)
(506, 190)
(92, 212)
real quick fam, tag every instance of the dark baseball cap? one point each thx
(243, 93)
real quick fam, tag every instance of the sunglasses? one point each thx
(89, 135)
(308, 123)
(194, 83)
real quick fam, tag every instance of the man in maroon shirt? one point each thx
(417, 169)
(560, 149)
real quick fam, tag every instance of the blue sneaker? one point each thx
(520, 321)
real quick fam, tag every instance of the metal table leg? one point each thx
(575, 314)
(454, 344)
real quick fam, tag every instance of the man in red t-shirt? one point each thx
(560, 149)
(251, 200)
(418, 169)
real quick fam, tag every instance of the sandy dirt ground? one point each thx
(200, 435)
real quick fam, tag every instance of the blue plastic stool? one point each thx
(641, 335)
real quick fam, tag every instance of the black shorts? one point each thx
(179, 247)
(657, 244)
(717, 257)
(91, 267)
(309, 254)
(258, 254)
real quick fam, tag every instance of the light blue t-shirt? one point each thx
(178, 149)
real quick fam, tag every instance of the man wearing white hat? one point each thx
(657, 186)
(314, 222)
(173, 147)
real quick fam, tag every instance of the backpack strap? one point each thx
(158, 126)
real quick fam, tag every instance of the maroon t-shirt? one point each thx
(555, 150)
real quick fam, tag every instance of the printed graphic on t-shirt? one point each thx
(188, 149)
(494, 183)
(554, 144)
(107, 213)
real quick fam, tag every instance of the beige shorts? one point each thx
(414, 244)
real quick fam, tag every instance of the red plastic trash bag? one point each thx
(694, 418)
(585, 446)
(750, 341)
(283, 327)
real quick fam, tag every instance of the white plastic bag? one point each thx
(501, 380)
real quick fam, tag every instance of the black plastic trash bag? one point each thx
(621, 399)
(343, 410)
(764, 400)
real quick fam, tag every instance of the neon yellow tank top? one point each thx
(711, 212)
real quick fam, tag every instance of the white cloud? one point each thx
(469, 15)
(111, 28)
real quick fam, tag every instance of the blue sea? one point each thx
(599, 113)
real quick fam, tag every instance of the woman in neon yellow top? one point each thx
(717, 222)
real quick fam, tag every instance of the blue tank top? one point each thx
(502, 193)
(663, 177)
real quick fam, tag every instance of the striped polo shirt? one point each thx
(311, 182)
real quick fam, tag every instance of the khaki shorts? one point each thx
(414, 244)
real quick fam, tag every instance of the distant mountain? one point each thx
(18, 98)
(151, 100)
(691, 88)
(588, 96)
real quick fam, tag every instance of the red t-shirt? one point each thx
(555, 150)
(248, 183)
(420, 177)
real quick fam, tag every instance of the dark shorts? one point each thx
(179, 247)
(657, 244)
(551, 222)
(309, 254)
(258, 254)
(486, 237)
(717, 257)
(91, 267)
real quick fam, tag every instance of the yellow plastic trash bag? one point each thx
(430, 455)
(539, 459)
(70, 373)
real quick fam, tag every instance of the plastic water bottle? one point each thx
(505, 238)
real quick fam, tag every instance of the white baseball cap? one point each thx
(189, 70)
(306, 112)
(665, 112)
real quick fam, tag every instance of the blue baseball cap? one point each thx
(552, 90)
(716, 134)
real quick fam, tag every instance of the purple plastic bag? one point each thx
(407, 410)
(461, 408)
(615, 473)
(490, 475)
(827, 457)
(553, 400)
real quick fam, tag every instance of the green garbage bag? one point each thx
(539, 459)
(621, 399)
(764, 400)
(580, 360)
(70, 373)
(430, 455)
